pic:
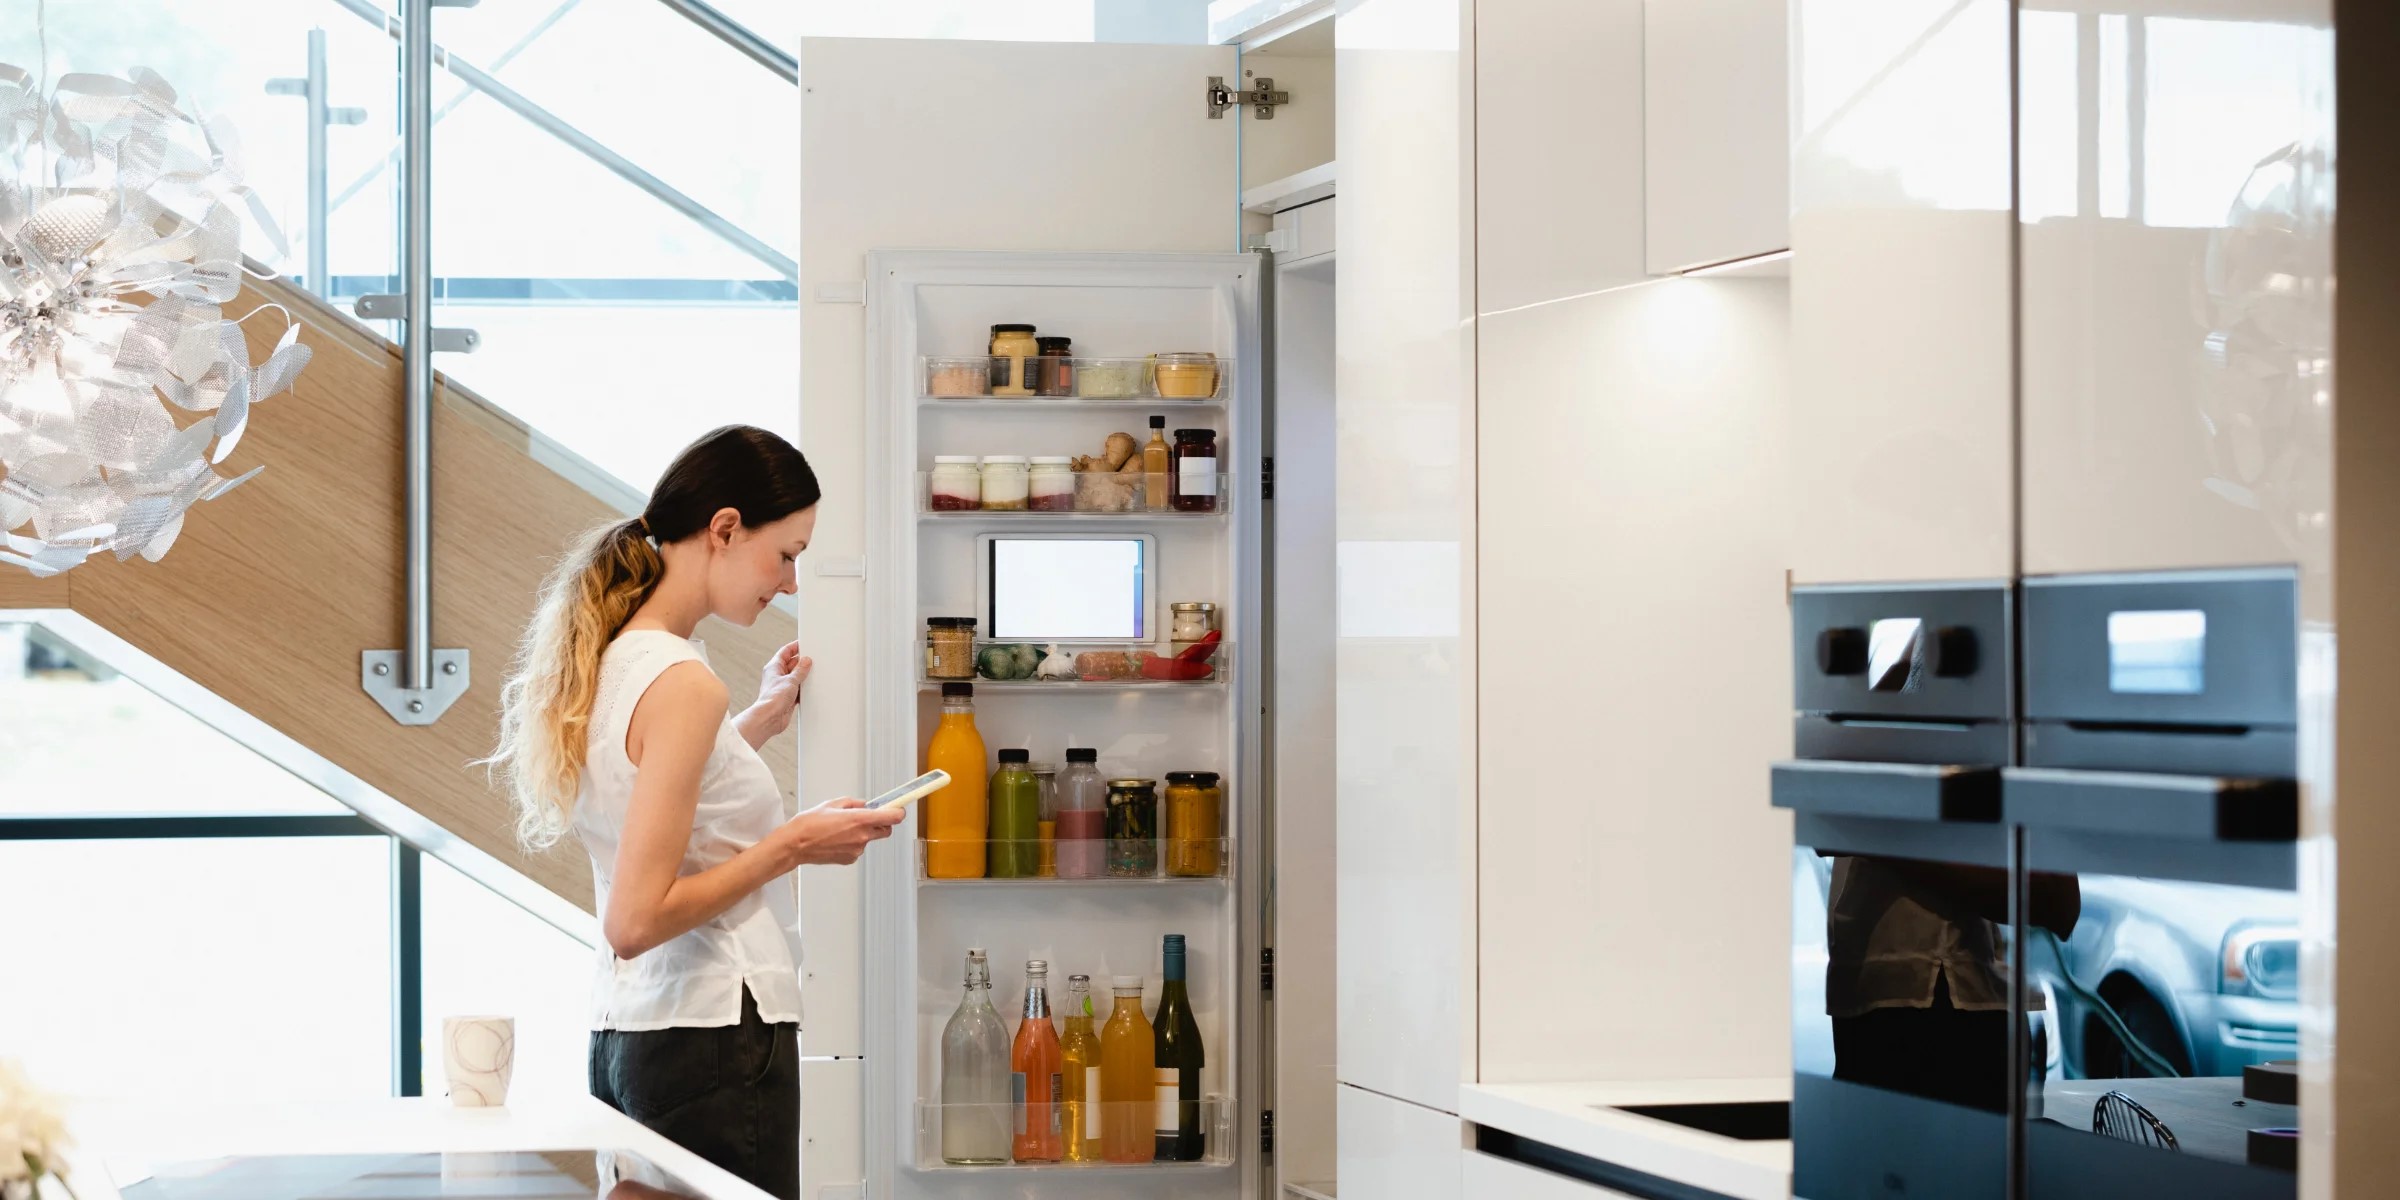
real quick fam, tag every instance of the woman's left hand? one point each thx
(779, 687)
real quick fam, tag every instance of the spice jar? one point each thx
(1005, 485)
(1012, 345)
(956, 485)
(1050, 486)
(1133, 828)
(1195, 823)
(1054, 370)
(950, 648)
(1195, 471)
(1190, 375)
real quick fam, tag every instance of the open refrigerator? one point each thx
(930, 305)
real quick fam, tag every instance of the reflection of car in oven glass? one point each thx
(2205, 976)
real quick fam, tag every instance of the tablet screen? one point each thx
(1068, 589)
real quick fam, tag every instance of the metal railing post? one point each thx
(429, 680)
(315, 89)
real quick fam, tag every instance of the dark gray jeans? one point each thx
(730, 1095)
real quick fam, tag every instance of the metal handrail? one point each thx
(590, 147)
(739, 36)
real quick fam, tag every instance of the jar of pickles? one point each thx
(950, 648)
(1132, 828)
(956, 485)
(1195, 823)
(1005, 483)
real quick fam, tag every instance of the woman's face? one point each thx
(752, 566)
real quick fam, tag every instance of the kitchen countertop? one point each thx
(118, 1144)
(1579, 1117)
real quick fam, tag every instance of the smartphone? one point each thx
(914, 790)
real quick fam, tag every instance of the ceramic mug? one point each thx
(478, 1054)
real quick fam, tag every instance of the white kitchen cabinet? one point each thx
(1483, 1177)
(1557, 141)
(1715, 131)
(1394, 1150)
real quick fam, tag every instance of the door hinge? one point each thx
(1263, 99)
(1266, 1133)
(1266, 491)
(1266, 970)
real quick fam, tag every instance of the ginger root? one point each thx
(1121, 447)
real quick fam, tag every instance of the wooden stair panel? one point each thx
(273, 591)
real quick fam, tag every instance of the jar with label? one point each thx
(1189, 375)
(1195, 471)
(1013, 346)
(1054, 370)
(1195, 823)
(1194, 621)
(1132, 828)
(950, 648)
(1051, 485)
(956, 485)
(1005, 483)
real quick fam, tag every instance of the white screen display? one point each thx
(1079, 589)
(2157, 653)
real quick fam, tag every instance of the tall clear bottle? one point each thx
(1036, 1086)
(1082, 816)
(975, 1108)
(1127, 1090)
(1079, 1063)
(1178, 1060)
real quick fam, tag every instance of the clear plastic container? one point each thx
(1112, 378)
(1186, 375)
(958, 378)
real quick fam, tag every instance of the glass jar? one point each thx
(950, 648)
(1195, 823)
(1187, 375)
(1194, 621)
(1054, 370)
(956, 486)
(1045, 823)
(1195, 471)
(1050, 486)
(1133, 828)
(1012, 345)
(1005, 483)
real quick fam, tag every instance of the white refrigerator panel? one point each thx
(1394, 1150)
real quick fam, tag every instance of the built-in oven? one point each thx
(1905, 1017)
(2157, 786)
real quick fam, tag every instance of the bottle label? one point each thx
(1016, 1099)
(1091, 1093)
(1170, 1101)
(1197, 476)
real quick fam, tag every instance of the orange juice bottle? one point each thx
(957, 818)
(1128, 1079)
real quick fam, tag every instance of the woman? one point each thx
(613, 727)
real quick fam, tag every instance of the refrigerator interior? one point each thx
(941, 304)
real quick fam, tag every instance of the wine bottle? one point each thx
(1179, 1059)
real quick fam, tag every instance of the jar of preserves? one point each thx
(1054, 370)
(1012, 347)
(1050, 485)
(1133, 828)
(1195, 471)
(956, 485)
(950, 648)
(1186, 375)
(1005, 483)
(1195, 823)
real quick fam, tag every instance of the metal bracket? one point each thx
(393, 306)
(380, 672)
(1263, 99)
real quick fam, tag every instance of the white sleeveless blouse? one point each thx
(697, 978)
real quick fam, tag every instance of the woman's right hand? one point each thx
(837, 832)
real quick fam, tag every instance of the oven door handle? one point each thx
(2192, 807)
(1888, 790)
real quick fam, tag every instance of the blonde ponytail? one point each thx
(546, 705)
